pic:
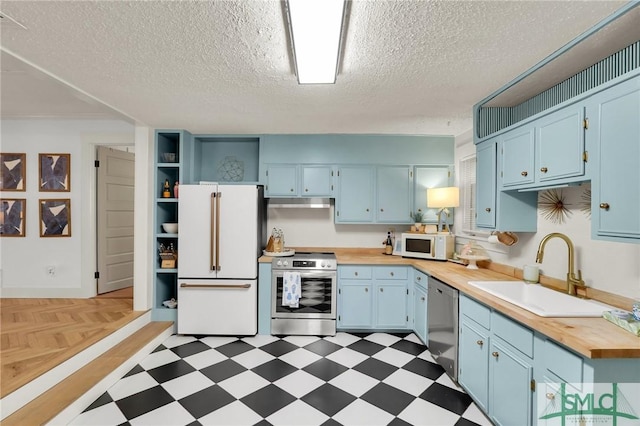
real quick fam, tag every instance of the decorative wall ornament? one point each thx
(55, 172)
(231, 170)
(55, 218)
(12, 176)
(553, 207)
(585, 203)
(12, 214)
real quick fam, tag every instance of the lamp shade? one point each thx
(443, 197)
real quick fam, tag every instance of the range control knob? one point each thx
(286, 263)
(323, 264)
(279, 263)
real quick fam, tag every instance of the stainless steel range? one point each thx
(315, 312)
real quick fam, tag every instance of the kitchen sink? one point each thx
(541, 300)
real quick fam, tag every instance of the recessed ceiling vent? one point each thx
(7, 21)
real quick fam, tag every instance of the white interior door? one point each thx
(115, 206)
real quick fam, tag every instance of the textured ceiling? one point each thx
(224, 66)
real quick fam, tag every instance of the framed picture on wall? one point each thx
(55, 218)
(13, 171)
(55, 172)
(12, 214)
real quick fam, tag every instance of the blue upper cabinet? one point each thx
(317, 181)
(614, 133)
(282, 180)
(517, 157)
(560, 149)
(354, 202)
(425, 177)
(393, 185)
(545, 152)
(486, 184)
(502, 210)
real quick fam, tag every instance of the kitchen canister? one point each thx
(530, 274)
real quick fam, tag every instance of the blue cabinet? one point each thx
(547, 151)
(502, 210)
(614, 134)
(560, 146)
(425, 177)
(372, 297)
(486, 184)
(473, 366)
(496, 363)
(393, 184)
(517, 157)
(419, 314)
(294, 180)
(282, 180)
(354, 201)
(317, 181)
(510, 393)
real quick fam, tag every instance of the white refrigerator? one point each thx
(222, 230)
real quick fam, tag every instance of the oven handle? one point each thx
(185, 285)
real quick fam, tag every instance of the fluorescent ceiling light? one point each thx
(316, 27)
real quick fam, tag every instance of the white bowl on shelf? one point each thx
(170, 228)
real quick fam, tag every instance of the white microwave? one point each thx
(427, 246)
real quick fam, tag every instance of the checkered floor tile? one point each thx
(349, 379)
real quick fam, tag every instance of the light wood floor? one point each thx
(125, 293)
(38, 334)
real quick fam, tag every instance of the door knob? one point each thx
(524, 173)
(604, 206)
(495, 354)
(544, 169)
(480, 342)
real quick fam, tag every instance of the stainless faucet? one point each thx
(571, 276)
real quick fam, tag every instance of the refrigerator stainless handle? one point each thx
(211, 246)
(218, 231)
(185, 285)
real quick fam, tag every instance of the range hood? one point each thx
(299, 203)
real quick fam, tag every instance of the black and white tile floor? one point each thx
(350, 379)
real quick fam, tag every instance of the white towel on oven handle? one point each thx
(291, 289)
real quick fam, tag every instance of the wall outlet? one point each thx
(51, 271)
(393, 233)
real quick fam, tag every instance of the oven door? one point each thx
(318, 298)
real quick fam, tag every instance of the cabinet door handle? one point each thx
(291, 190)
(382, 290)
(381, 210)
(391, 273)
(550, 396)
(495, 354)
(488, 209)
(604, 206)
(525, 173)
(544, 169)
(356, 274)
(419, 278)
(366, 290)
(367, 210)
(306, 190)
(480, 342)
(422, 298)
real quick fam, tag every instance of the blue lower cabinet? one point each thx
(355, 307)
(473, 362)
(420, 313)
(509, 386)
(391, 305)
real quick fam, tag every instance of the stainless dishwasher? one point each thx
(442, 323)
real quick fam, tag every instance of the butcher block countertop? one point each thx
(591, 337)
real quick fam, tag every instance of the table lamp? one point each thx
(443, 199)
